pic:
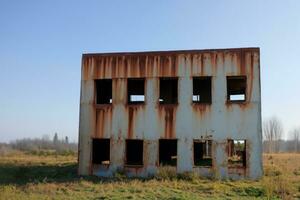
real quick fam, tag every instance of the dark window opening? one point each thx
(236, 88)
(103, 91)
(202, 153)
(136, 91)
(237, 153)
(202, 90)
(168, 90)
(168, 152)
(101, 151)
(134, 152)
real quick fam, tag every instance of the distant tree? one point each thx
(295, 133)
(55, 138)
(45, 137)
(67, 140)
(272, 133)
(37, 144)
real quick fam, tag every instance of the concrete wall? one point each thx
(184, 121)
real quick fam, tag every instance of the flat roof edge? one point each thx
(167, 52)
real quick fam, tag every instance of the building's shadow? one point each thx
(16, 174)
(63, 173)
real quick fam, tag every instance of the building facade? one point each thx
(192, 110)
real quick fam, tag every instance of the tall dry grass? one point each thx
(25, 176)
(281, 175)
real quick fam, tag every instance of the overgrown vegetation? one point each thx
(51, 176)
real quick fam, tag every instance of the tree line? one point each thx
(273, 141)
(43, 145)
(272, 129)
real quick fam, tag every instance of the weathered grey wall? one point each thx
(185, 121)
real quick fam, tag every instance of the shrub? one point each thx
(254, 191)
(165, 172)
(296, 172)
(188, 176)
(272, 171)
(269, 186)
(119, 174)
(283, 187)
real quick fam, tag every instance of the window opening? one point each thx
(202, 153)
(101, 151)
(236, 88)
(134, 152)
(168, 91)
(202, 89)
(136, 91)
(103, 91)
(237, 153)
(168, 152)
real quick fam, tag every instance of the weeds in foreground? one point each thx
(277, 181)
(54, 177)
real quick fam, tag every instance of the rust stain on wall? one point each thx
(103, 120)
(202, 67)
(242, 64)
(169, 122)
(214, 59)
(167, 116)
(201, 110)
(241, 105)
(149, 65)
(130, 122)
(168, 65)
(86, 68)
(133, 111)
(251, 76)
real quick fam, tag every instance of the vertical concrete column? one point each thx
(86, 126)
(117, 152)
(254, 161)
(152, 95)
(151, 124)
(255, 148)
(151, 156)
(221, 170)
(184, 155)
(184, 132)
(120, 123)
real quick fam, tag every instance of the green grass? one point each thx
(26, 176)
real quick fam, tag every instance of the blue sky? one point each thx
(41, 43)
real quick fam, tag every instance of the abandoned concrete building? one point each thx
(193, 110)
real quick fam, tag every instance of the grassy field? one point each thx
(27, 176)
